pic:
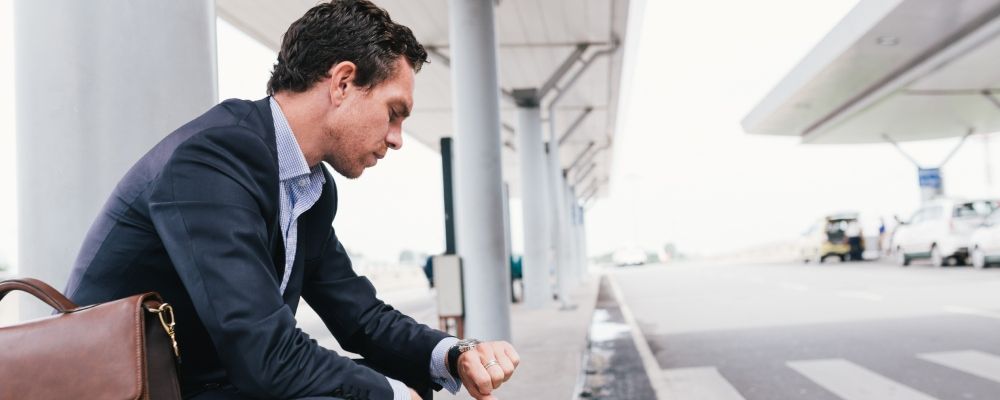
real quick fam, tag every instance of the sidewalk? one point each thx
(551, 344)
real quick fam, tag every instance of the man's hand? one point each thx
(487, 367)
(414, 395)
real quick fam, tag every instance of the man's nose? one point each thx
(395, 138)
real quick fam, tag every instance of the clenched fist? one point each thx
(486, 367)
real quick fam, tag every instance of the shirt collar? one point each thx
(291, 161)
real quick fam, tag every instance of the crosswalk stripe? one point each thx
(978, 363)
(702, 383)
(854, 382)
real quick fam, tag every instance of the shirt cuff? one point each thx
(439, 371)
(399, 390)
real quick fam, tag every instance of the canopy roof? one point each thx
(899, 69)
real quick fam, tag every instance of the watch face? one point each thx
(467, 344)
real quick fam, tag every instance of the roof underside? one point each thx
(899, 69)
(535, 38)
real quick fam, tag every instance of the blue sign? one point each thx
(930, 178)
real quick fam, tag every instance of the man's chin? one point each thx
(349, 173)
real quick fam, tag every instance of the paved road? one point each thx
(864, 331)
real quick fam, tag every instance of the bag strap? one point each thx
(39, 289)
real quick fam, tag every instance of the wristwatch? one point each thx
(455, 351)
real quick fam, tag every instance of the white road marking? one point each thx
(703, 383)
(645, 353)
(861, 295)
(978, 363)
(854, 382)
(972, 311)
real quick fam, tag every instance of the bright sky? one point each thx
(684, 170)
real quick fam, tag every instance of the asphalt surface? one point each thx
(856, 331)
(613, 369)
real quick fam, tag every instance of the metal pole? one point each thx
(575, 124)
(583, 175)
(957, 146)
(900, 150)
(478, 176)
(449, 195)
(91, 99)
(582, 154)
(535, 264)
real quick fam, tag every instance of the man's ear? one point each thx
(341, 82)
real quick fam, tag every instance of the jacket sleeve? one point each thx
(208, 207)
(390, 342)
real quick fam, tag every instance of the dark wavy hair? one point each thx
(343, 30)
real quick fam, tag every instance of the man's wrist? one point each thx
(439, 365)
(455, 351)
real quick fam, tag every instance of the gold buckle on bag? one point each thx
(163, 312)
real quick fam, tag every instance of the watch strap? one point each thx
(453, 354)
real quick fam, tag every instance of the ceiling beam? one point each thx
(576, 124)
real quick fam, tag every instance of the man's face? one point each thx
(369, 122)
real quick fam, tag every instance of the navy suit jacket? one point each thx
(197, 220)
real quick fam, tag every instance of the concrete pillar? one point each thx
(574, 231)
(581, 240)
(573, 271)
(557, 184)
(535, 204)
(582, 234)
(478, 176)
(98, 83)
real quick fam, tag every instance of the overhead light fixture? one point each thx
(887, 40)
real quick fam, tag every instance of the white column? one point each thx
(478, 177)
(560, 222)
(98, 83)
(574, 232)
(535, 265)
(581, 240)
(573, 271)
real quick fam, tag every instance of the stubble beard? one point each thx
(350, 170)
(341, 161)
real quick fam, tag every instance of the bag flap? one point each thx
(92, 352)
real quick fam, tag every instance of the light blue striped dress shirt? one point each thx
(301, 187)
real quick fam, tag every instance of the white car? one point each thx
(629, 256)
(941, 230)
(986, 242)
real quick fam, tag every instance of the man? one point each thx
(229, 218)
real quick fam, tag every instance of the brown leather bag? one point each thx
(123, 349)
